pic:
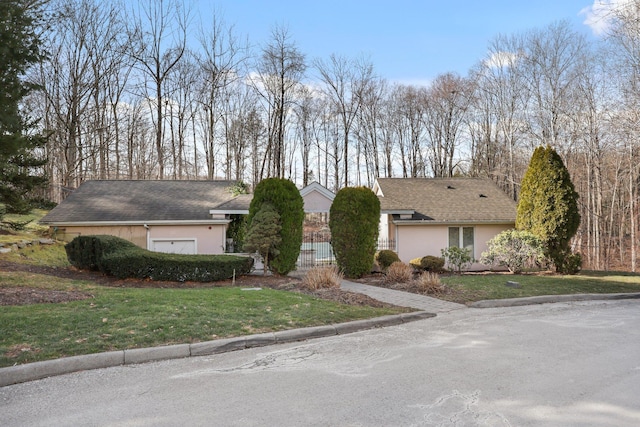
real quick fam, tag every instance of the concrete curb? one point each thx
(546, 299)
(66, 365)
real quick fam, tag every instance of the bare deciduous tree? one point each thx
(448, 99)
(158, 35)
(280, 70)
(222, 60)
(345, 82)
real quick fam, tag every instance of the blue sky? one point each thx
(408, 41)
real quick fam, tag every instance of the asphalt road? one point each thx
(569, 364)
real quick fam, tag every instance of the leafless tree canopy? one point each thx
(146, 90)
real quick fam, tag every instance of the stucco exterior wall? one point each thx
(414, 241)
(316, 202)
(133, 233)
(210, 239)
(383, 232)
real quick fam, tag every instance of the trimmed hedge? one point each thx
(86, 252)
(142, 264)
(122, 259)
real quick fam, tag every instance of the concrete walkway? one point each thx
(402, 299)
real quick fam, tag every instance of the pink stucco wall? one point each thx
(316, 202)
(414, 241)
(133, 233)
(210, 239)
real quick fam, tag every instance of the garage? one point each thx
(174, 246)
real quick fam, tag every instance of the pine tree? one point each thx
(548, 205)
(19, 49)
(354, 221)
(263, 236)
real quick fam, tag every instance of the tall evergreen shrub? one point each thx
(286, 199)
(263, 236)
(548, 205)
(354, 221)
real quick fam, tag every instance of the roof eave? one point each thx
(141, 223)
(397, 211)
(229, 212)
(452, 222)
(315, 186)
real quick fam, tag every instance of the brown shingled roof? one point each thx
(139, 201)
(447, 199)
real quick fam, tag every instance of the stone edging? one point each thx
(545, 299)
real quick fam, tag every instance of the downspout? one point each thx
(148, 236)
(397, 241)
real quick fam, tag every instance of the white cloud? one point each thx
(501, 59)
(601, 14)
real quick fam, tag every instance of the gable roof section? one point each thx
(316, 198)
(445, 200)
(238, 205)
(140, 201)
(315, 186)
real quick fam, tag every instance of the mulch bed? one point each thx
(24, 296)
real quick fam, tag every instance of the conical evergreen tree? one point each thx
(19, 49)
(263, 236)
(548, 204)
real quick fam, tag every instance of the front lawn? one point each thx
(474, 287)
(122, 318)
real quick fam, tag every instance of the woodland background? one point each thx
(127, 94)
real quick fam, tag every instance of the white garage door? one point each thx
(174, 246)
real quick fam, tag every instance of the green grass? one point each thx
(48, 255)
(123, 318)
(475, 287)
(31, 230)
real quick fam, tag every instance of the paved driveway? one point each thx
(570, 364)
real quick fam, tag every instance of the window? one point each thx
(461, 237)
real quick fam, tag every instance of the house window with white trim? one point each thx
(461, 237)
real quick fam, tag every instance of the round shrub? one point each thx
(573, 263)
(514, 249)
(283, 195)
(386, 257)
(353, 220)
(431, 263)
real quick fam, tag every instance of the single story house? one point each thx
(317, 198)
(424, 216)
(188, 217)
(171, 216)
